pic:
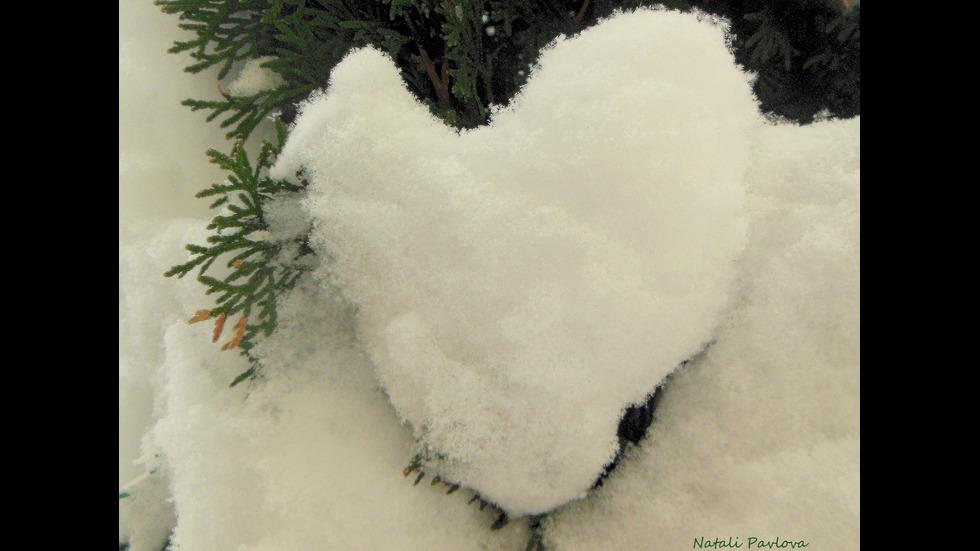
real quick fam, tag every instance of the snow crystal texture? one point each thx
(760, 437)
(312, 459)
(518, 285)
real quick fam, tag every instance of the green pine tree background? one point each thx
(462, 56)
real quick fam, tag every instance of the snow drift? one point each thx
(761, 437)
(521, 284)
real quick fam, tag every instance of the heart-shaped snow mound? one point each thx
(520, 284)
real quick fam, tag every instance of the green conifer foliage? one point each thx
(460, 58)
(807, 53)
(258, 270)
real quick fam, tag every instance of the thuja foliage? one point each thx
(807, 53)
(460, 58)
(259, 267)
(416, 468)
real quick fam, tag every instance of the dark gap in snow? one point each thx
(633, 427)
(636, 420)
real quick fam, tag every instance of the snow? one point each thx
(161, 166)
(148, 305)
(312, 459)
(761, 437)
(161, 143)
(519, 286)
(460, 253)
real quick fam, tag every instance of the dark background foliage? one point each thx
(460, 57)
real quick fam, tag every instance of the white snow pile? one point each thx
(519, 285)
(761, 438)
(148, 305)
(507, 291)
(311, 458)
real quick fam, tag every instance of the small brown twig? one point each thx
(200, 315)
(441, 84)
(445, 75)
(581, 12)
(239, 333)
(219, 326)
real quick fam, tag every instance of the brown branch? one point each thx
(445, 76)
(581, 12)
(441, 85)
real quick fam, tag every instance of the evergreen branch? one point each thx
(769, 41)
(441, 83)
(416, 466)
(244, 113)
(243, 376)
(258, 274)
(581, 12)
(535, 542)
(454, 64)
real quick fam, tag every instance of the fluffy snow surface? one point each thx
(518, 286)
(761, 437)
(506, 292)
